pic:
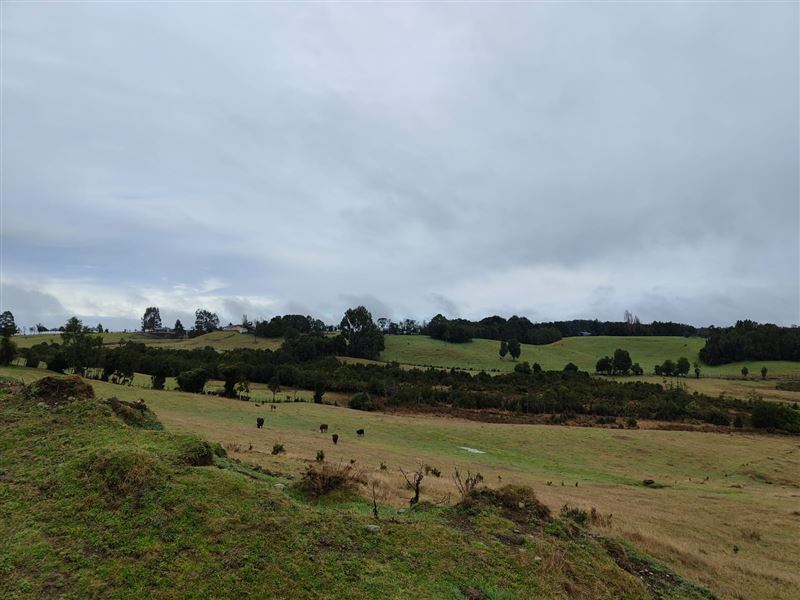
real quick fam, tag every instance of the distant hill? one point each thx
(582, 351)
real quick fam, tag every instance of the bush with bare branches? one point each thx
(466, 484)
(414, 481)
(322, 479)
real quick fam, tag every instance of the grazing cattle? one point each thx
(335, 438)
(273, 407)
(260, 422)
(323, 428)
(359, 432)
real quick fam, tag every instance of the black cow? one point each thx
(335, 438)
(273, 407)
(260, 422)
(359, 432)
(323, 428)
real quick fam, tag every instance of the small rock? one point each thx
(402, 510)
(648, 481)
(373, 528)
(537, 558)
(517, 531)
(521, 505)
(280, 486)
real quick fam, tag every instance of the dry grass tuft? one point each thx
(320, 480)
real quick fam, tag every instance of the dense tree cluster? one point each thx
(630, 326)
(205, 321)
(748, 340)
(679, 368)
(288, 326)
(491, 328)
(620, 364)
(526, 332)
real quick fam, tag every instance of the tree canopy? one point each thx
(151, 319)
(362, 336)
(7, 325)
(205, 321)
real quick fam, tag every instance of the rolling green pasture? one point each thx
(720, 490)
(219, 340)
(480, 354)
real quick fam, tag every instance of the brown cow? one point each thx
(323, 428)
(335, 438)
(260, 422)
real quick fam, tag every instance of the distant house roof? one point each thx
(239, 328)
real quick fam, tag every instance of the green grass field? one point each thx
(582, 351)
(721, 490)
(219, 340)
(94, 508)
(480, 354)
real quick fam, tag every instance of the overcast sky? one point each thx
(550, 160)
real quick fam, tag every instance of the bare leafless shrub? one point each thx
(414, 481)
(468, 483)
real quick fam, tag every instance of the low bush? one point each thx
(361, 401)
(193, 451)
(518, 502)
(278, 449)
(135, 414)
(193, 380)
(771, 415)
(124, 474)
(323, 479)
(579, 516)
(218, 450)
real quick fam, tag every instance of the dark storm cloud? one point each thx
(553, 160)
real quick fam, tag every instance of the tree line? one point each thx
(309, 361)
(748, 340)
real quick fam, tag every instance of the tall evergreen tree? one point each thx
(151, 319)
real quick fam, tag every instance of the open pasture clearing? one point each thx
(750, 500)
(735, 387)
(480, 354)
(219, 340)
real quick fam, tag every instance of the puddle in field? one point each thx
(471, 450)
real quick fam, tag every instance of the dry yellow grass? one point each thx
(751, 499)
(730, 386)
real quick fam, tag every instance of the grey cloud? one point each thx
(313, 156)
(31, 306)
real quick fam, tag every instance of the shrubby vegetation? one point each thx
(748, 340)
(308, 362)
(288, 326)
(519, 329)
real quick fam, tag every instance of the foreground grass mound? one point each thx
(95, 506)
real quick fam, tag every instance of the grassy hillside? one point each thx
(480, 354)
(582, 351)
(720, 491)
(219, 340)
(94, 508)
